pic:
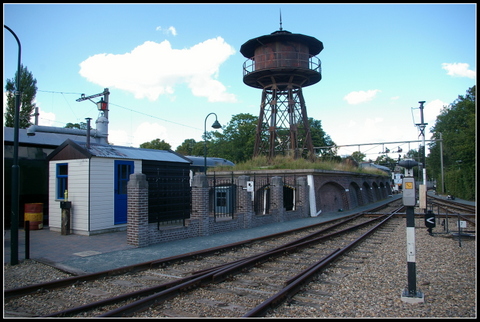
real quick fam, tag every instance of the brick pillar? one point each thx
(200, 200)
(276, 202)
(137, 211)
(245, 204)
(303, 203)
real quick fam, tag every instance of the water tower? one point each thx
(281, 64)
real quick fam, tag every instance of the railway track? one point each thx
(451, 206)
(449, 210)
(248, 272)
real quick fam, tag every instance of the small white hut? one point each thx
(93, 178)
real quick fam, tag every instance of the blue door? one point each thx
(123, 170)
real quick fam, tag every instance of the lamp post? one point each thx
(15, 167)
(215, 125)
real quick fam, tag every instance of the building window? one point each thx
(62, 180)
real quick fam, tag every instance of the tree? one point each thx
(456, 125)
(28, 89)
(190, 147)
(386, 161)
(321, 139)
(358, 156)
(156, 145)
(237, 140)
(81, 126)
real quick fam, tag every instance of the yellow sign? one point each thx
(408, 185)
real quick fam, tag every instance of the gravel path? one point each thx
(446, 275)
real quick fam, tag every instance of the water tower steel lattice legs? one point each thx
(283, 126)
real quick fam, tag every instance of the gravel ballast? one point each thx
(371, 286)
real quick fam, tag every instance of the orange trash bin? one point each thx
(34, 214)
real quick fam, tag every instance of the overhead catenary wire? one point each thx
(126, 108)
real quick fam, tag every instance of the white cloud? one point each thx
(370, 123)
(153, 69)
(45, 118)
(169, 30)
(145, 132)
(431, 110)
(361, 96)
(119, 137)
(351, 123)
(172, 30)
(459, 70)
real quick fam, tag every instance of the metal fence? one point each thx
(222, 197)
(169, 193)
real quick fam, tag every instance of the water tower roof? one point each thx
(315, 46)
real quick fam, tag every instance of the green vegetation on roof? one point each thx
(285, 162)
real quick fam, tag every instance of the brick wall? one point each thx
(334, 190)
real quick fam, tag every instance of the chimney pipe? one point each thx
(88, 131)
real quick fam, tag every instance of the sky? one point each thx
(168, 66)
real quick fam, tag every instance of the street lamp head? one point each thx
(216, 125)
(408, 164)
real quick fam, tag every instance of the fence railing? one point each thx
(282, 60)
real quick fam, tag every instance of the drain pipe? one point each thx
(88, 132)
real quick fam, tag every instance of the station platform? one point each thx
(90, 254)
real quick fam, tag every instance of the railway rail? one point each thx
(452, 206)
(446, 210)
(237, 269)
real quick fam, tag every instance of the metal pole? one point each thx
(411, 263)
(441, 162)
(15, 167)
(106, 93)
(88, 132)
(422, 133)
(36, 115)
(205, 145)
(459, 231)
(27, 239)
(215, 125)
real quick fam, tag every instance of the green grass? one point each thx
(281, 162)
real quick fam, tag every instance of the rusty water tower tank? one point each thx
(281, 64)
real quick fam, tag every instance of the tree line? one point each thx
(455, 146)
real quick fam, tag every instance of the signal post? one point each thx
(411, 294)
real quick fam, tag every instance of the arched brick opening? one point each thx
(376, 192)
(383, 190)
(356, 198)
(331, 197)
(367, 193)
